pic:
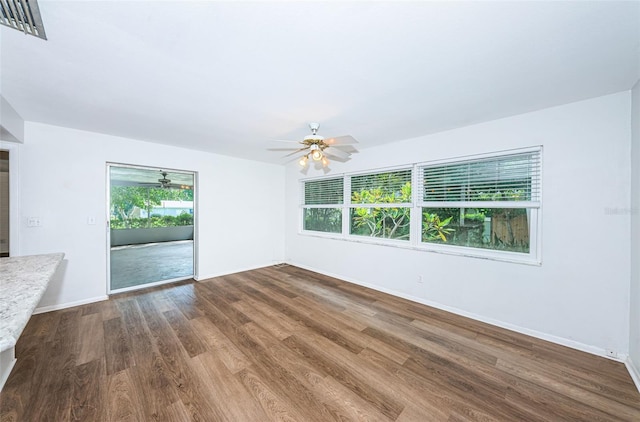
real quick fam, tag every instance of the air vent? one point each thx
(23, 15)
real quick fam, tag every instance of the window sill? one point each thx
(511, 257)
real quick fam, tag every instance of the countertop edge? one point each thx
(9, 336)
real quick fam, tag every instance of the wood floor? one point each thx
(285, 344)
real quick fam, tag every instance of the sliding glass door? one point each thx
(151, 226)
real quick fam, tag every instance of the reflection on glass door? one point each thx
(151, 226)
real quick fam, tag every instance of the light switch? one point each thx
(33, 222)
(91, 220)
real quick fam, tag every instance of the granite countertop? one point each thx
(23, 281)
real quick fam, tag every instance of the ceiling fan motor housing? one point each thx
(313, 140)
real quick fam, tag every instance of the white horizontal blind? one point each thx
(504, 178)
(383, 187)
(324, 191)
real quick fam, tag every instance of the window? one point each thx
(486, 206)
(322, 205)
(381, 205)
(488, 203)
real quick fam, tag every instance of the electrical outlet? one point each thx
(611, 353)
(419, 279)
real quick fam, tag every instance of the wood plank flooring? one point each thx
(286, 344)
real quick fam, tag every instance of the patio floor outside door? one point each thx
(142, 264)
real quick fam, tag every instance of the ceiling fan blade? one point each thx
(283, 149)
(296, 151)
(346, 148)
(286, 141)
(341, 140)
(338, 159)
(291, 159)
(335, 152)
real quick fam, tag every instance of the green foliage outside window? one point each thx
(433, 228)
(183, 219)
(385, 222)
(126, 200)
(323, 219)
(504, 229)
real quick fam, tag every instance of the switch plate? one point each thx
(33, 222)
(91, 220)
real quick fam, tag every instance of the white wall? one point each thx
(579, 295)
(11, 124)
(634, 315)
(63, 182)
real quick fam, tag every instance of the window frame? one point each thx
(415, 242)
(338, 205)
(352, 206)
(533, 207)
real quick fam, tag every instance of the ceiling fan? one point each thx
(317, 148)
(165, 183)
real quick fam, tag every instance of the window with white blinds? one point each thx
(322, 205)
(381, 188)
(486, 206)
(324, 191)
(489, 205)
(380, 205)
(512, 177)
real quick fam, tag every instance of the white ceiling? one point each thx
(228, 77)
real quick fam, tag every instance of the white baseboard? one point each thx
(57, 307)
(633, 371)
(533, 333)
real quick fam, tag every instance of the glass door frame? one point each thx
(194, 276)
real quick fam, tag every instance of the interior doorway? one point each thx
(4, 203)
(152, 221)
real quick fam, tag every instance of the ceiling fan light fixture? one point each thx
(325, 162)
(317, 155)
(303, 160)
